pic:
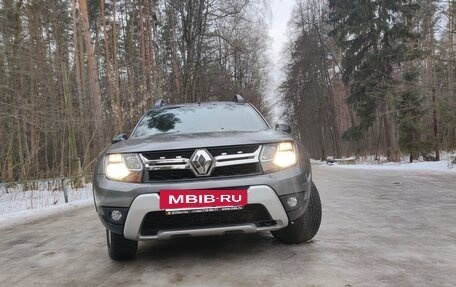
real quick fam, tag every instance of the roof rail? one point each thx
(160, 103)
(238, 99)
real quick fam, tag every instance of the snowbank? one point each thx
(428, 165)
(15, 199)
(18, 205)
(370, 163)
(24, 216)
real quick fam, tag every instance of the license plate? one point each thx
(178, 200)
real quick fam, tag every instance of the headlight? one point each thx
(123, 167)
(275, 157)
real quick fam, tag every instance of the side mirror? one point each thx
(119, 138)
(283, 128)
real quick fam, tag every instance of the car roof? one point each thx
(201, 104)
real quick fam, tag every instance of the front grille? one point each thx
(187, 153)
(158, 220)
(235, 170)
(172, 174)
(216, 151)
(169, 154)
(187, 174)
(230, 161)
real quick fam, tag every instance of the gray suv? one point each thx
(204, 169)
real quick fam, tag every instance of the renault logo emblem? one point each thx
(202, 162)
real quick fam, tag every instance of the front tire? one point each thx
(120, 248)
(305, 227)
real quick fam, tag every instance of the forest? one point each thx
(372, 77)
(75, 73)
(360, 77)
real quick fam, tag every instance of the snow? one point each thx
(19, 203)
(18, 217)
(428, 165)
(369, 163)
(15, 199)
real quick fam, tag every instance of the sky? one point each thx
(280, 15)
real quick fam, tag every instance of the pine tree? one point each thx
(410, 98)
(373, 38)
(410, 113)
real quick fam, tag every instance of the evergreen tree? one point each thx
(373, 37)
(410, 113)
(410, 97)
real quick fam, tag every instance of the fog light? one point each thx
(116, 215)
(292, 201)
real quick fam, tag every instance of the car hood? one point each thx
(197, 140)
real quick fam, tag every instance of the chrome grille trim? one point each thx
(184, 163)
(235, 159)
(165, 164)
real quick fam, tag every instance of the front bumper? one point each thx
(146, 203)
(136, 200)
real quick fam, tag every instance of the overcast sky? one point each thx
(281, 12)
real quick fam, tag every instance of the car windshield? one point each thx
(200, 118)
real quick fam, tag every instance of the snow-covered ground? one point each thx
(18, 217)
(368, 162)
(16, 200)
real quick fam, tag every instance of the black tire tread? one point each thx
(120, 248)
(305, 227)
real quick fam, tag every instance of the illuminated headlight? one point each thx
(123, 167)
(275, 157)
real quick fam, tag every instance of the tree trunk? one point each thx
(113, 90)
(390, 135)
(77, 60)
(92, 73)
(174, 63)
